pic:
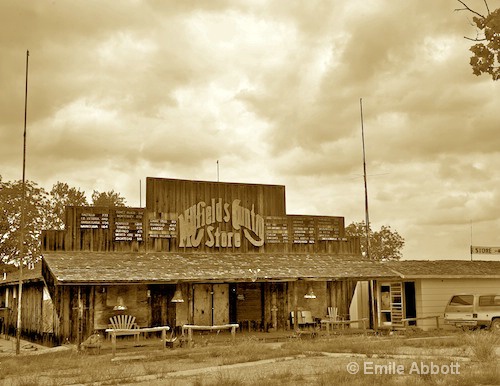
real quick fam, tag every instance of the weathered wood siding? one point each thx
(221, 304)
(196, 216)
(249, 302)
(36, 314)
(202, 299)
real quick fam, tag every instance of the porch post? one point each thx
(295, 306)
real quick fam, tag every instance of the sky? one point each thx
(119, 91)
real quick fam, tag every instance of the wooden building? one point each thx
(38, 315)
(230, 250)
(210, 253)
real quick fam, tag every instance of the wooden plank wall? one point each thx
(32, 309)
(341, 293)
(221, 303)
(167, 200)
(202, 301)
(249, 302)
(318, 306)
(275, 296)
(80, 235)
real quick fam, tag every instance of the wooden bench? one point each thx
(191, 327)
(121, 325)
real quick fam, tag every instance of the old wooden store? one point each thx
(203, 253)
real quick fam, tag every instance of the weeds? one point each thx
(63, 368)
(483, 345)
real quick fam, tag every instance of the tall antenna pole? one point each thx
(366, 186)
(23, 204)
(217, 170)
(372, 286)
(140, 193)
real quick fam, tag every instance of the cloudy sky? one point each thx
(123, 90)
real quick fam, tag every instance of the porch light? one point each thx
(310, 294)
(177, 297)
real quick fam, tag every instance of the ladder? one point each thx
(397, 304)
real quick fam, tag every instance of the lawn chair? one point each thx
(124, 322)
(333, 314)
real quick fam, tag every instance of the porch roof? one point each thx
(443, 269)
(116, 267)
(30, 274)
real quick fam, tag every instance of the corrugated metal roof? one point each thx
(116, 267)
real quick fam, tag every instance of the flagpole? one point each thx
(23, 204)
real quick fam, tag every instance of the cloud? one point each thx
(121, 91)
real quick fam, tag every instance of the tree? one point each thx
(486, 53)
(108, 199)
(63, 195)
(384, 244)
(37, 212)
(43, 211)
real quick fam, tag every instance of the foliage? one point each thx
(37, 210)
(63, 195)
(42, 211)
(384, 244)
(107, 199)
(486, 53)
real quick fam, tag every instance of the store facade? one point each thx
(203, 253)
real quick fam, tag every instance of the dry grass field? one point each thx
(439, 358)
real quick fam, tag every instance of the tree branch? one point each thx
(488, 8)
(468, 9)
(476, 39)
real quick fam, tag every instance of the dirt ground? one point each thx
(206, 365)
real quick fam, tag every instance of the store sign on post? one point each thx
(485, 250)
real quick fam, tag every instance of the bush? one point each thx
(483, 345)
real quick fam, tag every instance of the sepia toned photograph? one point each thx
(249, 192)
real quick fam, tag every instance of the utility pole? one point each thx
(23, 204)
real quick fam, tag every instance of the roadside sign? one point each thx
(485, 250)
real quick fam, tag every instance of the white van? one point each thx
(475, 311)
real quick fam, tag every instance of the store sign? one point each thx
(203, 223)
(485, 250)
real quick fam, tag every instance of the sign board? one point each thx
(89, 220)
(128, 225)
(485, 250)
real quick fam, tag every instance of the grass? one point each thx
(62, 368)
(482, 345)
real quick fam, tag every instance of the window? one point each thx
(462, 300)
(489, 300)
